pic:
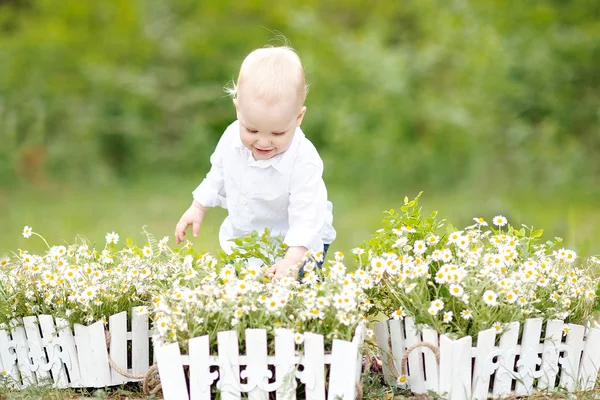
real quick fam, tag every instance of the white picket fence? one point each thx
(236, 374)
(518, 365)
(45, 350)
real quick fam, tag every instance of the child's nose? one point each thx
(264, 143)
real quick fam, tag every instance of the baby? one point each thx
(264, 170)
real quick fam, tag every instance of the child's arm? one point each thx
(210, 193)
(307, 214)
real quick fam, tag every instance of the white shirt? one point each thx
(285, 193)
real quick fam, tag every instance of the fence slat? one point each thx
(529, 359)
(483, 363)
(69, 352)
(229, 365)
(118, 346)
(22, 350)
(343, 369)
(140, 342)
(455, 368)
(9, 360)
(285, 364)
(201, 378)
(257, 370)
(93, 355)
(36, 351)
(570, 362)
(398, 343)
(505, 372)
(431, 366)
(313, 375)
(382, 337)
(549, 368)
(415, 358)
(55, 356)
(171, 373)
(588, 372)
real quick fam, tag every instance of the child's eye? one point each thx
(278, 133)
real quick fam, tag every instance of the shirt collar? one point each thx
(281, 162)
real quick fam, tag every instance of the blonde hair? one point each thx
(273, 71)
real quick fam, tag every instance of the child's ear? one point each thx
(235, 103)
(301, 116)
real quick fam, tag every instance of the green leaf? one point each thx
(537, 233)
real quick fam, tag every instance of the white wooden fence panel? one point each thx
(54, 350)
(201, 378)
(455, 368)
(69, 351)
(590, 362)
(570, 361)
(382, 338)
(118, 346)
(359, 340)
(431, 367)
(140, 343)
(577, 360)
(36, 351)
(529, 358)
(171, 373)
(343, 365)
(22, 350)
(483, 366)
(416, 376)
(313, 375)
(549, 368)
(93, 355)
(229, 365)
(257, 370)
(285, 364)
(399, 346)
(506, 361)
(8, 357)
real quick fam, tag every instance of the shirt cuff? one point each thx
(304, 237)
(208, 197)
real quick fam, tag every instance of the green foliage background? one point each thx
(487, 98)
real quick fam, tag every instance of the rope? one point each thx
(404, 360)
(151, 380)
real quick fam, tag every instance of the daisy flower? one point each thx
(27, 232)
(112, 238)
(466, 314)
(489, 298)
(500, 221)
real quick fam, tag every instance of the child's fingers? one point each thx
(196, 228)
(180, 231)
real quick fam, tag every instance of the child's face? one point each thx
(267, 129)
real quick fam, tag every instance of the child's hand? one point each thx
(192, 216)
(282, 268)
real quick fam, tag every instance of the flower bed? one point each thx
(472, 284)
(287, 324)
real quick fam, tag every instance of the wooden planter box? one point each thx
(233, 374)
(45, 350)
(519, 365)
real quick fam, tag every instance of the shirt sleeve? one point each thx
(308, 206)
(211, 191)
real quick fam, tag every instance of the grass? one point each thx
(61, 212)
